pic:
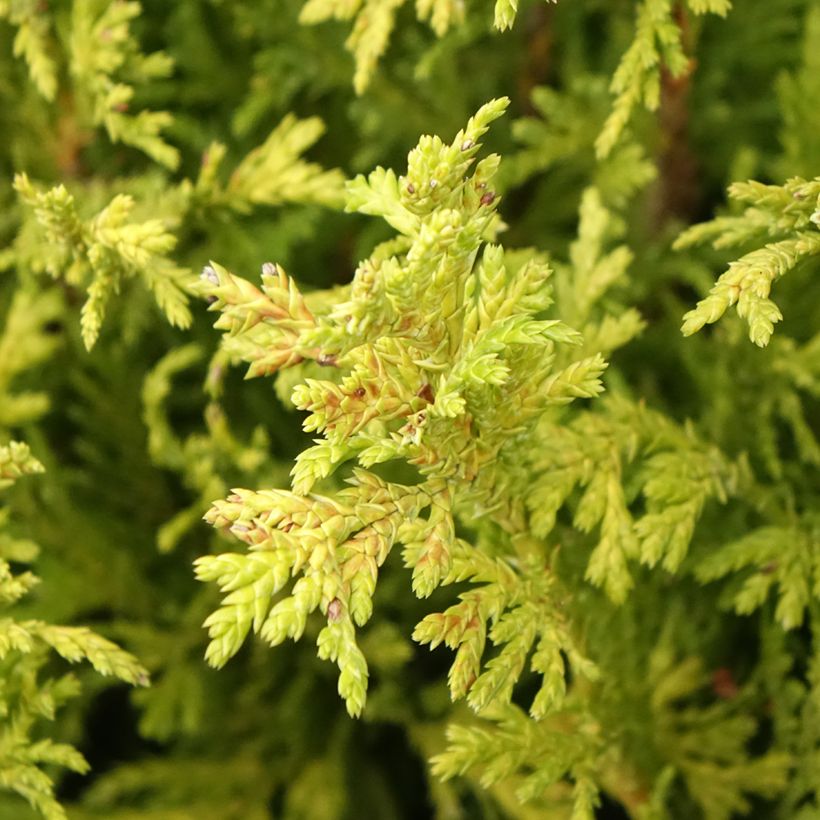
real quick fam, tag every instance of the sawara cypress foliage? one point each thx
(485, 534)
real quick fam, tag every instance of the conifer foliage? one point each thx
(503, 471)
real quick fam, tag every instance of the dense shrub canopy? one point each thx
(365, 328)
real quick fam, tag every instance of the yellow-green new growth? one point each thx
(788, 214)
(33, 41)
(337, 546)
(98, 254)
(16, 461)
(98, 52)
(105, 60)
(274, 172)
(441, 358)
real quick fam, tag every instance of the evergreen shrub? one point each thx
(465, 353)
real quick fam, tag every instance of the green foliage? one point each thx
(564, 132)
(105, 64)
(778, 556)
(274, 172)
(675, 473)
(374, 21)
(100, 253)
(24, 344)
(27, 695)
(707, 745)
(789, 214)
(657, 46)
(799, 92)
(539, 601)
(105, 60)
(33, 42)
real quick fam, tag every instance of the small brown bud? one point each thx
(411, 189)
(334, 611)
(360, 392)
(426, 393)
(488, 198)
